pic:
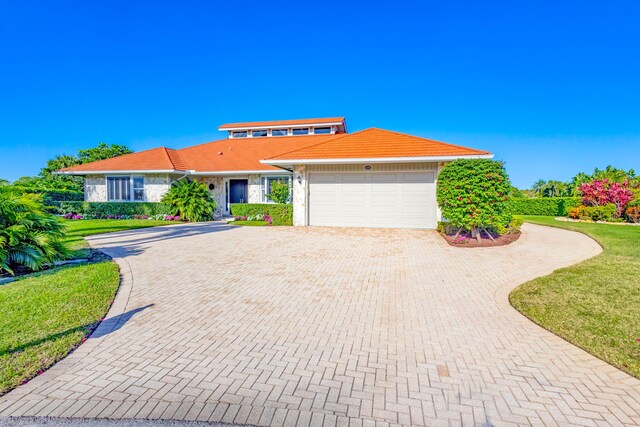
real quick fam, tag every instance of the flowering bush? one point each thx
(603, 192)
(460, 240)
(473, 194)
(633, 213)
(594, 213)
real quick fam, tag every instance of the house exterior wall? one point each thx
(254, 189)
(155, 187)
(301, 173)
(217, 193)
(95, 188)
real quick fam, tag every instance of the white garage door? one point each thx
(389, 199)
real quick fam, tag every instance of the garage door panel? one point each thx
(372, 200)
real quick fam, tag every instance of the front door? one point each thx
(238, 190)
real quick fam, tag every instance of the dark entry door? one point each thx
(238, 190)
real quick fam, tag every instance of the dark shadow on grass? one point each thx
(106, 327)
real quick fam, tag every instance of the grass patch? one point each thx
(249, 223)
(46, 315)
(77, 229)
(596, 303)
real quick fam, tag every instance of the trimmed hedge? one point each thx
(104, 209)
(548, 206)
(281, 214)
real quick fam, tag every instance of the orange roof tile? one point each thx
(244, 154)
(160, 159)
(297, 122)
(377, 143)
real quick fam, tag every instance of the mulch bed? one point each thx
(468, 242)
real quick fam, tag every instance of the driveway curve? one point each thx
(327, 326)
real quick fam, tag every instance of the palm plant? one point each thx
(28, 235)
(190, 200)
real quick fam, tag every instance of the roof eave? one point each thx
(374, 160)
(115, 172)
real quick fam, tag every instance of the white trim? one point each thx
(123, 172)
(284, 125)
(240, 172)
(374, 160)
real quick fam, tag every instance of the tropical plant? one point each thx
(603, 192)
(633, 213)
(473, 195)
(28, 236)
(190, 200)
(279, 191)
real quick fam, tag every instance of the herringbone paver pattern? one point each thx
(323, 326)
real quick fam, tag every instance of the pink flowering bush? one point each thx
(603, 192)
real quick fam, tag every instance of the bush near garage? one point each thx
(547, 206)
(280, 213)
(473, 195)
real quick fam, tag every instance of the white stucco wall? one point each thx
(299, 196)
(155, 187)
(254, 189)
(217, 193)
(95, 188)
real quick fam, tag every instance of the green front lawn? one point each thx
(46, 315)
(249, 223)
(596, 303)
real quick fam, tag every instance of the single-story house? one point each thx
(369, 178)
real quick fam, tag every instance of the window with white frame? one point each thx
(258, 133)
(322, 130)
(300, 131)
(239, 134)
(125, 188)
(279, 132)
(267, 181)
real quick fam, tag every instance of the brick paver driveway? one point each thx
(275, 326)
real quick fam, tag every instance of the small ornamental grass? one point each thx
(473, 196)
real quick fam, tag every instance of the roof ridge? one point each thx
(177, 154)
(315, 145)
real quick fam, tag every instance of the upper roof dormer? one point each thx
(300, 127)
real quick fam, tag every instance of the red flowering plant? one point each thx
(473, 194)
(602, 192)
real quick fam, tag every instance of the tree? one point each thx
(554, 189)
(190, 200)
(538, 187)
(4, 182)
(102, 151)
(279, 191)
(28, 236)
(473, 195)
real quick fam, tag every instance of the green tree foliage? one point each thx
(473, 194)
(279, 191)
(190, 200)
(28, 236)
(551, 188)
(47, 179)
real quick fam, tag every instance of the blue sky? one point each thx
(552, 88)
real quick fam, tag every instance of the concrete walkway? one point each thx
(327, 326)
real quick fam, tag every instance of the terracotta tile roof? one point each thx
(239, 154)
(377, 143)
(161, 158)
(297, 122)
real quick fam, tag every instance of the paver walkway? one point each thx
(299, 326)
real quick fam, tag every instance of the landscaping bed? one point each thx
(594, 304)
(466, 241)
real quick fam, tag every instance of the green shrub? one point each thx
(281, 214)
(594, 213)
(472, 194)
(28, 235)
(548, 206)
(279, 192)
(101, 210)
(190, 200)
